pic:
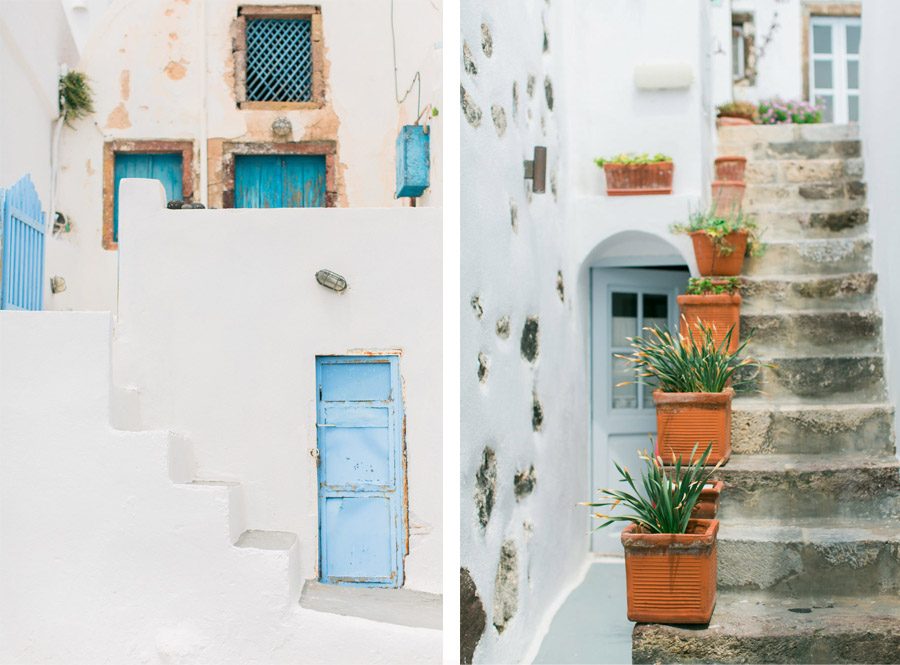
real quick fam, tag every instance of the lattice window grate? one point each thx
(279, 60)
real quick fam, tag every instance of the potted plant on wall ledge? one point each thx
(736, 113)
(715, 303)
(721, 242)
(670, 555)
(633, 175)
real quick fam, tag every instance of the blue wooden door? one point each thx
(165, 167)
(361, 516)
(279, 181)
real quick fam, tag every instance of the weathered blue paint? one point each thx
(22, 235)
(279, 60)
(165, 167)
(413, 161)
(360, 442)
(279, 181)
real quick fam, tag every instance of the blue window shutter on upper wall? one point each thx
(165, 167)
(279, 181)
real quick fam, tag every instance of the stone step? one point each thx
(759, 150)
(784, 487)
(785, 332)
(754, 628)
(826, 378)
(838, 196)
(786, 133)
(849, 558)
(809, 292)
(812, 257)
(762, 427)
(802, 171)
(781, 226)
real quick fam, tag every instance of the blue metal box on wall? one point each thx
(413, 161)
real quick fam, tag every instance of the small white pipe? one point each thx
(204, 115)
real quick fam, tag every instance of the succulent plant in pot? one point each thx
(715, 302)
(721, 242)
(629, 174)
(694, 379)
(670, 554)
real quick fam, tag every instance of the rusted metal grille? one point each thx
(279, 60)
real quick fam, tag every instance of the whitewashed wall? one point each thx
(220, 322)
(164, 70)
(881, 145)
(528, 255)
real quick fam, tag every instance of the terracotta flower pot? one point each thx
(731, 168)
(710, 259)
(684, 420)
(727, 195)
(671, 578)
(719, 311)
(707, 506)
(732, 121)
(637, 179)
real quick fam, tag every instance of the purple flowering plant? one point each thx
(777, 111)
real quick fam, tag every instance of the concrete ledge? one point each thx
(403, 607)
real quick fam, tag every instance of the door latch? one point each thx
(314, 453)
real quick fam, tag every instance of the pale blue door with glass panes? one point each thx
(834, 66)
(359, 422)
(279, 181)
(624, 301)
(165, 167)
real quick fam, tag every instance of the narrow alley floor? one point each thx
(591, 626)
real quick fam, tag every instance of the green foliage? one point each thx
(796, 112)
(701, 286)
(76, 99)
(668, 496)
(718, 227)
(435, 112)
(746, 110)
(630, 158)
(691, 364)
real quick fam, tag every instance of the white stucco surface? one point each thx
(220, 322)
(106, 557)
(165, 71)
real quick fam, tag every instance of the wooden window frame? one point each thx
(328, 149)
(112, 148)
(746, 22)
(313, 13)
(811, 9)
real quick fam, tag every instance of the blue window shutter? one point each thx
(165, 167)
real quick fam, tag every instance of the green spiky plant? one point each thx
(668, 497)
(76, 99)
(718, 227)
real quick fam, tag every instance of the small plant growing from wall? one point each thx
(76, 99)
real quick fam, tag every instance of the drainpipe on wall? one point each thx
(204, 113)
(54, 154)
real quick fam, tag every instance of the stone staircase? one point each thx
(809, 544)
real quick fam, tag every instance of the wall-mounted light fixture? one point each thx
(536, 170)
(331, 280)
(281, 127)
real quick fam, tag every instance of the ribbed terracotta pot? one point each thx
(719, 311)
(707, 506)
(671, 578)
(732, 121)
(731, 168)
(727, 196)
(710, 260)
(639, 179)
(684, 420)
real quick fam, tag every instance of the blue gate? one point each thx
(359, 415)
(22, 233)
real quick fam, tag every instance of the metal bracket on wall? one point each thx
(536, 170)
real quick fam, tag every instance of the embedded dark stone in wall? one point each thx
(514, 215)
(524, 483)
(506, 586)
(529, 343)
(468, 61)
(548, 92)
(515, 99)
(529, 85)
(499, 116)
(546, 44)
(477, 307)
(560, 286)
(503, 327)
(487, 41)
(469, 108)
(486, 485)
(472, 618)
(483, 365)
(554, 186)
(537, 413)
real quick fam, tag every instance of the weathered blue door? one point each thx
(360, 432)
(279, 181)
(165, 167)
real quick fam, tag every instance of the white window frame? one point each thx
(839, 59)
(738, 46)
